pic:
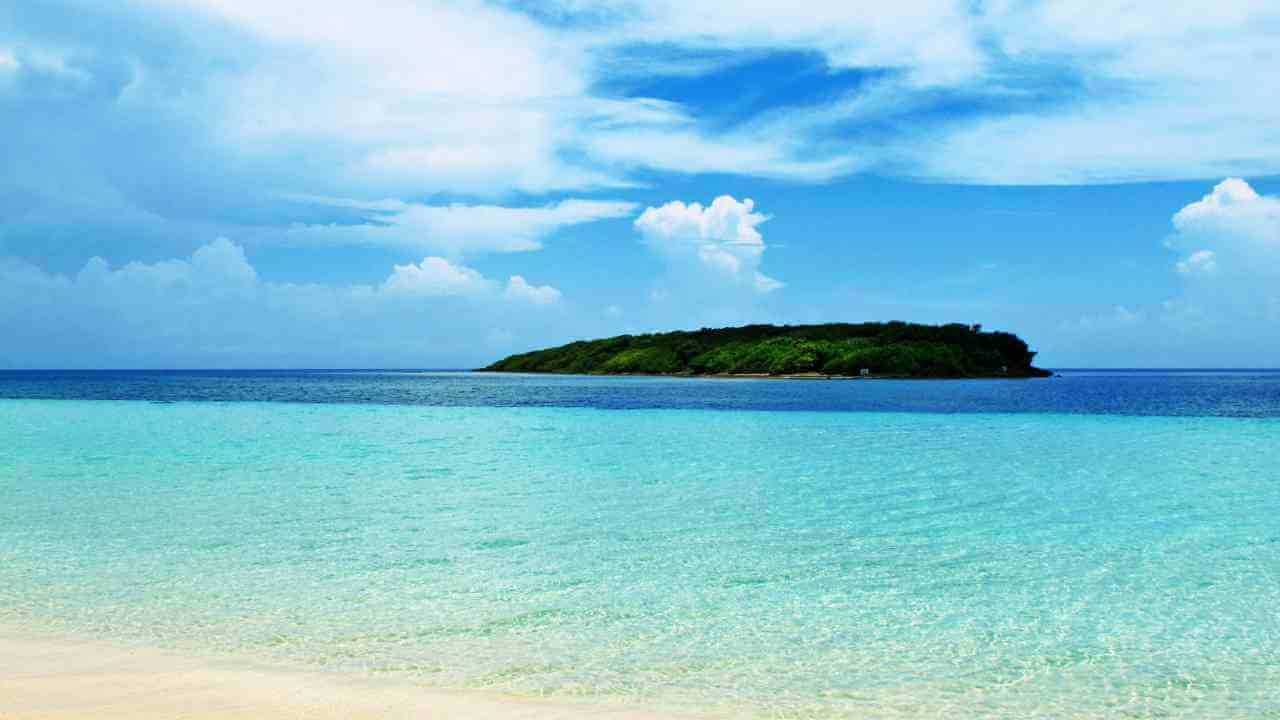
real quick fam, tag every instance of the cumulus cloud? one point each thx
(213, 309)
(719, 241)
(1232, 228)
(1230, 299)
(519, 289)
(435, 276)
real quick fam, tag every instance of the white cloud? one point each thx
(1116, 93)
(937, 41)
(433, 96)
(468, 100)
(1231, 272)
(219, 267)
(1200, 262)
(456, 229)
(519, 290)
(763, 283)
(1052, 92)
(212, 309)
(1233, 208)
(1232, 229)
(684, 150)
(720, 240)
(435, 276)
(1157, 91)
(417, 43)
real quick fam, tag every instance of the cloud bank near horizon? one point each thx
(213, 310)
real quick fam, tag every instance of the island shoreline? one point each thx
(766, 376)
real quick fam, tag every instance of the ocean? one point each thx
(1101, 544)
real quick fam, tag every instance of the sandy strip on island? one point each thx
(55, 679)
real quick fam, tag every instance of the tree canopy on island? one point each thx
(895, 349)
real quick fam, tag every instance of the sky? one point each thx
(431, 184)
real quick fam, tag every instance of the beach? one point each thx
(59, 678)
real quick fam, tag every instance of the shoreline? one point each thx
(60, 678)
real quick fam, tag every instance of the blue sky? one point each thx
(226, 183)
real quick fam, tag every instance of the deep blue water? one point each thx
(1204, 393)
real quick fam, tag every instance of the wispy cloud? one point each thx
(456, 230)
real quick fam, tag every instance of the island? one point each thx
(833, 350)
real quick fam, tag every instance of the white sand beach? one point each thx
(60, 679)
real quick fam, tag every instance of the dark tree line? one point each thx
(885, 349)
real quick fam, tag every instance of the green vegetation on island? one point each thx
(893, 349)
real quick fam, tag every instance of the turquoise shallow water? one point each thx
(773, 563)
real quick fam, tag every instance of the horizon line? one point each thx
(473, 370)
